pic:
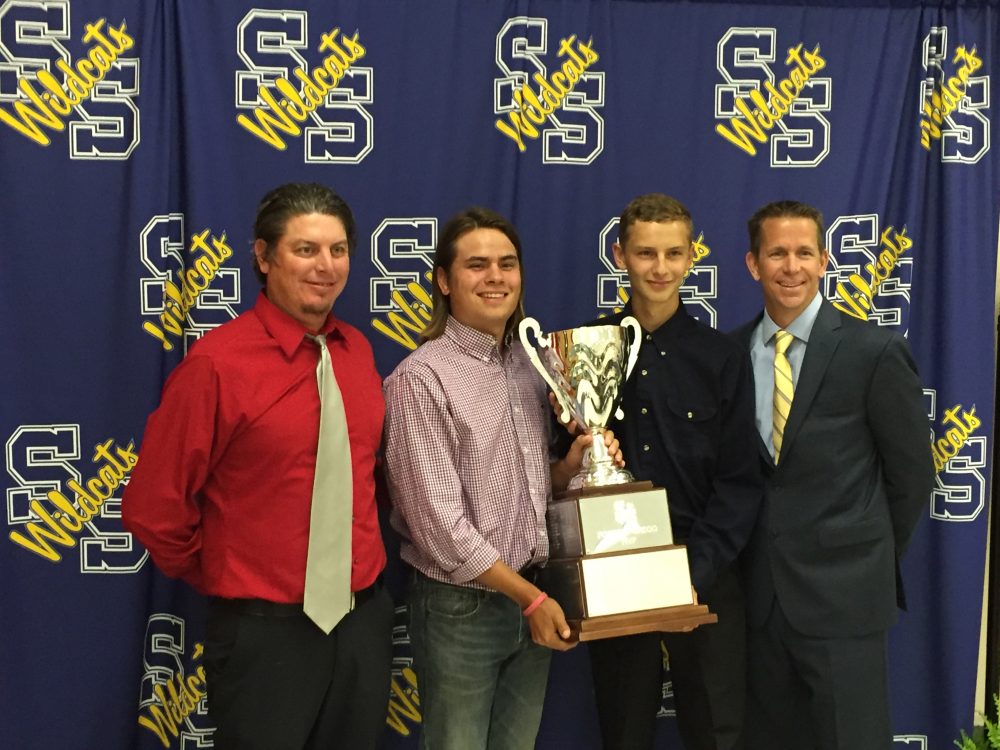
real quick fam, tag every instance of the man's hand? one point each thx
(566, 468)
(583, 441)
(549, 627)
(547, 622)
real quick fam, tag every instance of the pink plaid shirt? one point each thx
(467, 456)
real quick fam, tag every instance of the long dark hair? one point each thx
(444, 255)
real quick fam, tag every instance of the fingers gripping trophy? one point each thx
(612, 562)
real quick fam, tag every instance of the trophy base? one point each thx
(665, 619)
(619, 583)
(613, 566)
(593, 520)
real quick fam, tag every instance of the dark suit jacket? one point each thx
(853, 480)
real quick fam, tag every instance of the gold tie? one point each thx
(784, 389)
(328, 564)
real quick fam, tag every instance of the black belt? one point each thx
(528, 572)
(265, 608)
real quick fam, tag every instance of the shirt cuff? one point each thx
(702, 574)
(483, 559)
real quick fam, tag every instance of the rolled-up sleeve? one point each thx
(422, 447)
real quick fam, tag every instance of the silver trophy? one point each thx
(613, 565)
(586, 368)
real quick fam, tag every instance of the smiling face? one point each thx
(789, 265)
(483, 283)
(307, 268)
(657, 256)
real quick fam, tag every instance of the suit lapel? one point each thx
(823, 341)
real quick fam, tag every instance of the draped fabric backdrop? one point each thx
(137, 137)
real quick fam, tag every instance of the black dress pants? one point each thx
(707, 670)
(275, 681)
(816, 693)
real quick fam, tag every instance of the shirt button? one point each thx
(663, 354)
(645, 410)
(645, 448)
(690, 415)
(648, 337)
(644, 372)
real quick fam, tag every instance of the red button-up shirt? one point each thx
(222, 492)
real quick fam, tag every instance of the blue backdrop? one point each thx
(137, 137)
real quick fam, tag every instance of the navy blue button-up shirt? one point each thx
(689, 428)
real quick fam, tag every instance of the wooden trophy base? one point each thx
(613, 565)
(666, 619)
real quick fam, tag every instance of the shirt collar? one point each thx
(800, 328)
(286, 330)
(669, 329)
(475, 343)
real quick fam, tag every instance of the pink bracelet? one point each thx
(535, 604)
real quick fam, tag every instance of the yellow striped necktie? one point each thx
(784, 389)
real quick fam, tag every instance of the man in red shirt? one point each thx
(222, 493)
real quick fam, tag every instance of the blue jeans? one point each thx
(481, 679)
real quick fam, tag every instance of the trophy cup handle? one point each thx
(530, 324)
(633, 350)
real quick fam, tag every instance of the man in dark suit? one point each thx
(848, 467)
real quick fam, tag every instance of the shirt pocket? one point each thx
(453, 602)
(692, 426)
